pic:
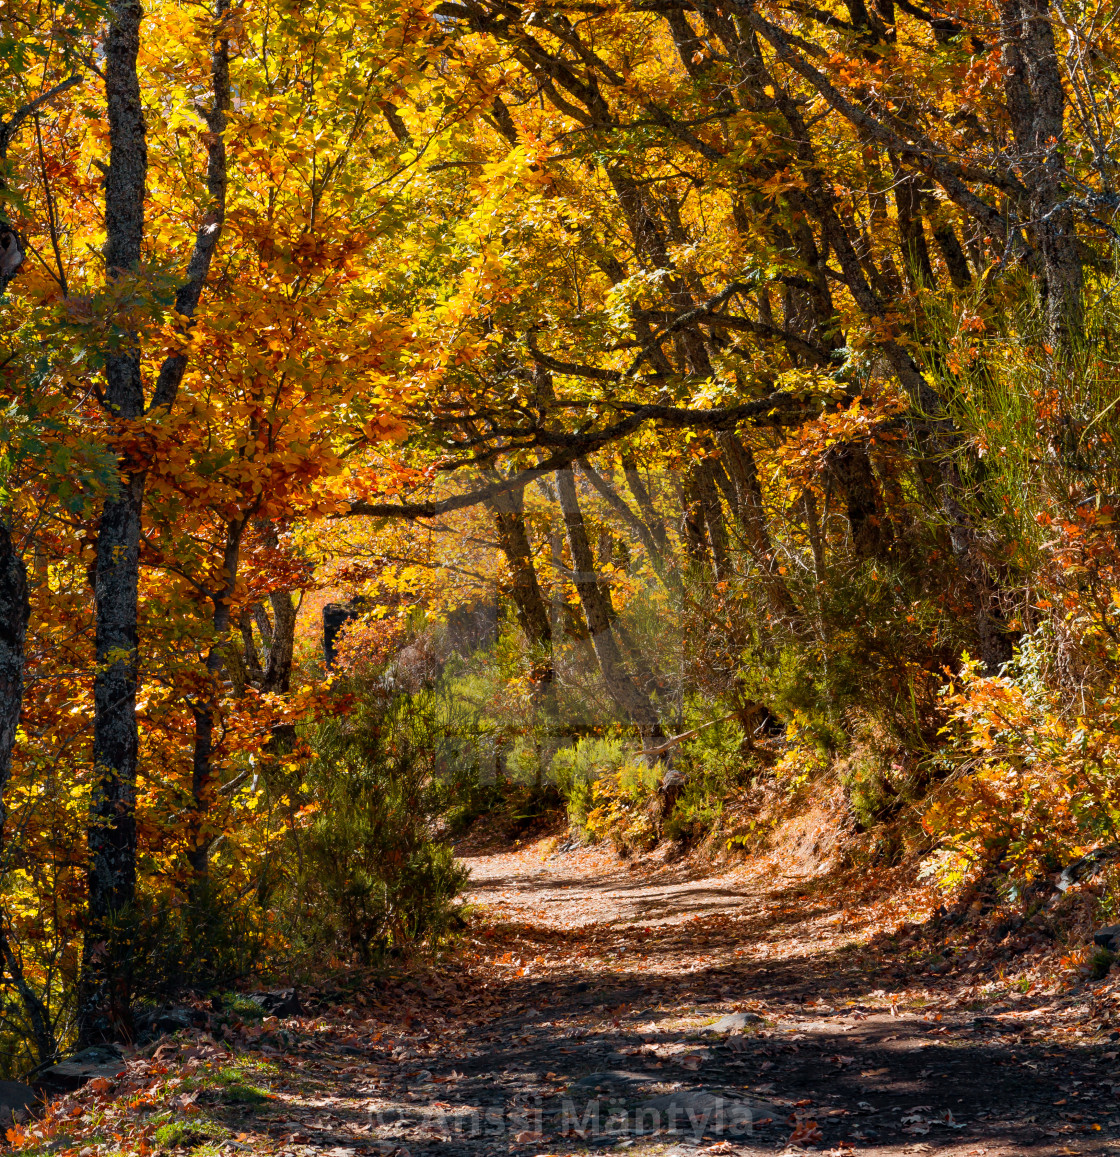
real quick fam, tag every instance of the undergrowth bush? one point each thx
(373, 880)
(576, 768)
(621, 809)
(1033, 784)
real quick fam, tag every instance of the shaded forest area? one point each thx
(685, 414)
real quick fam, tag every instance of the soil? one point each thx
(580, 1015)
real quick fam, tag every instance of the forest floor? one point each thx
(581, 1014)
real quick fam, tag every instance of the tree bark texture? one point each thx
(1036, 104)
(15, 610)
(103, 1001)
(278, 670)
(105, 986)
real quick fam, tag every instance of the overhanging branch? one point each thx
(776, 409)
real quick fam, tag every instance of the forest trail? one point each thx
(586, 1009)
(842, 1043)
(580, 886)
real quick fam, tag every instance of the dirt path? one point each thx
(841, 1042)
(598, 1006)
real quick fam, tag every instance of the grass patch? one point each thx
(193, 1134)
(1100, 963)
(235, 1084)
(242, 1006)
(240, 1093)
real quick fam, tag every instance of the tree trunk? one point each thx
(264, 624)
(645, 504)
(532, 614)
(206, 713)
(851, 468)
(911, 231)
(711, 510)
(104, 995)
(1036, 104)
(249, 646)
(15, 610)
(693, 528)
(952, 252)
(742, 472)
(595, 599)
(104, 990)
(278, 671)
(666, 572)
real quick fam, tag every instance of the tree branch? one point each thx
(10, 127)
(777, 409)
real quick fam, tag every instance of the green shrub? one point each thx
(621, 811)
(1102, 960)
(205, 941)
(576, 768)
(374, 880)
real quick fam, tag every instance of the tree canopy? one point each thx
(616, 370)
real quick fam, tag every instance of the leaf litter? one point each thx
(585, 992)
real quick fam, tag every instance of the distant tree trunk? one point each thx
(525, 590)
(1036, 105)
(850, 467)
(645, 504)
(654, 549)
(911, 231)
(532, 615)
(952, 252)
(249, 645)
(206, 713)
(279, 634)
(711, 509)
(263, 624)
(739, 463)
(281, 647)
(595, 599)
(693, 529)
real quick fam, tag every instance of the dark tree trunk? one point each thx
(742, 473)
(532, 614)
(911, 231)
(693, 528)
(709, 514)
(949, 245)
(104, 990)
(278, 671)
(15, 610)
(104, 996)
(851, 469)
(249, 646)
(1036, 104)
(107, 964)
